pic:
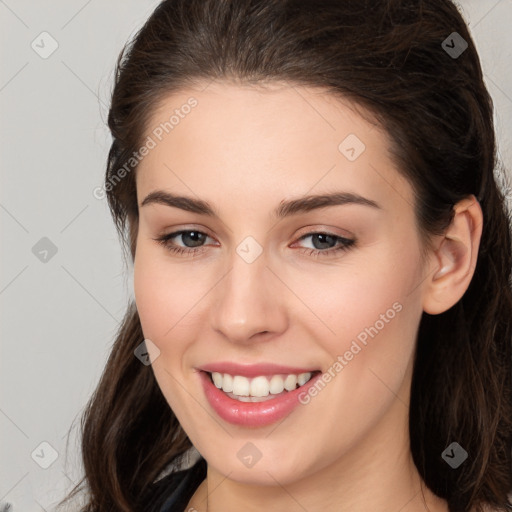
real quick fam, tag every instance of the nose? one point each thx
(249, 302)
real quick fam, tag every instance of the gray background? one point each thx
(59, 315)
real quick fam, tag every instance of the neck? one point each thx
(376, 474)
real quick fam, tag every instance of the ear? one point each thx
(455, 258)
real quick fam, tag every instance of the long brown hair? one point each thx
(389, 57)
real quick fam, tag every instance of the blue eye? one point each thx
(320, 240)
(323, 243)
(195, 238)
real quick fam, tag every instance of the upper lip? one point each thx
(252, 370)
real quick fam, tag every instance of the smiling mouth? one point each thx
(260, 388)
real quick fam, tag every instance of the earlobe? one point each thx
(454, 258)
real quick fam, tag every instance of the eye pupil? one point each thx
(323, 239)
(196, 237)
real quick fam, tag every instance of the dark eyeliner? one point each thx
(346, 244)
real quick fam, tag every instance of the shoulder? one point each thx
(173, 492)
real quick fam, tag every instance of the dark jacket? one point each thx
(173, 492)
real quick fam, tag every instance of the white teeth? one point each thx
(290, 383)
(217, 379)
(227, 383)
(276, 385)
(241, 386)
(260, 386)
(303, 378)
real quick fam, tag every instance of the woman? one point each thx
(322, 316)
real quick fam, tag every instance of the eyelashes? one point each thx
(341, 244)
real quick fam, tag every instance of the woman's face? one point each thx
(262, 289)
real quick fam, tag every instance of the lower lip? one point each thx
(253, 414)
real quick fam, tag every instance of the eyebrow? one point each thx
(285, 208)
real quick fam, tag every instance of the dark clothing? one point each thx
(173, 492)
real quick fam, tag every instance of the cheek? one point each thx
(165, 294)
(364, 292)
(165, 297)
(369, 319)
(365, 310)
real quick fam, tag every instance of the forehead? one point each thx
(265, 141)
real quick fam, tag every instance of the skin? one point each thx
(245, 149)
